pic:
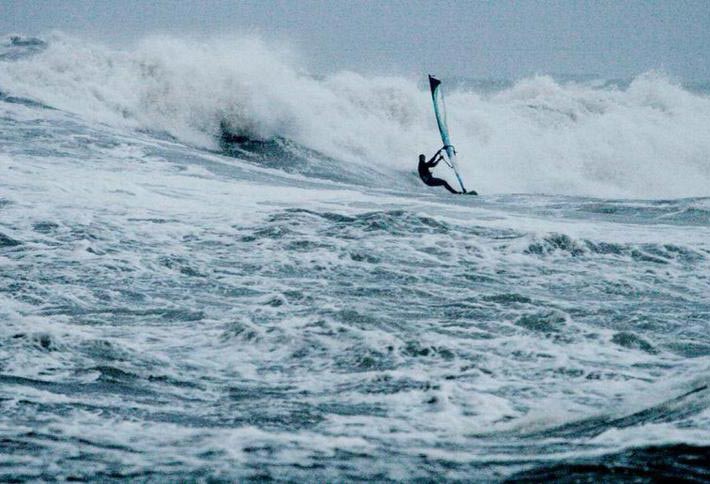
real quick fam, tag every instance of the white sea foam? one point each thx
(175, 313)
(648, 140)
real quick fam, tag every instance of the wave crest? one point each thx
(647, 139)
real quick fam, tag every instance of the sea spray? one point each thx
(647, 139)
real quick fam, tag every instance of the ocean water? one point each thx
(217, 266)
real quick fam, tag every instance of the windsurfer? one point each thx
(425, 172)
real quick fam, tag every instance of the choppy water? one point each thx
(169, 312)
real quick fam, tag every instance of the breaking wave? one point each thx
(649, 138)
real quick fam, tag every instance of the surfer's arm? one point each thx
(435, 159)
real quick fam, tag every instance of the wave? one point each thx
(649, 138)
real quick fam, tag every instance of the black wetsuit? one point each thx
(426, 176)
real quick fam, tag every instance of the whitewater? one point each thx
(217, 265)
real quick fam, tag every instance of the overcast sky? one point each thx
(499, 39)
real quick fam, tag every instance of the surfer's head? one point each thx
(422, 158)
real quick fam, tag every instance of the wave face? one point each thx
(647, 139)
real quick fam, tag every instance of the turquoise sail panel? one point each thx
(437, 97)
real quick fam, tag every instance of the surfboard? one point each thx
(437, 97)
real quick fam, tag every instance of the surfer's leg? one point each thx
(445, 184)
(449, 188)
(438, 182)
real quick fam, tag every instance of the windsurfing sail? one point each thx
(437, 96)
